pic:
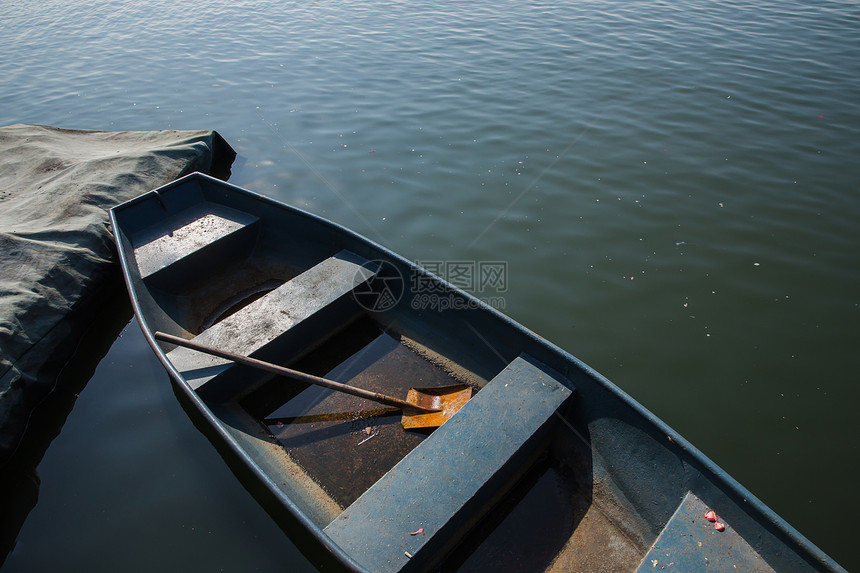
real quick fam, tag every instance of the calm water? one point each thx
(673, 185)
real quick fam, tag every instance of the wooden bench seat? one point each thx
(689, 542)
(183, 243)
(447, 483)
(315, 294)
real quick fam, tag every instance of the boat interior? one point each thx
(544, 469)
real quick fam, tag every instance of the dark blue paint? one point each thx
(626, 462)
(446, 484)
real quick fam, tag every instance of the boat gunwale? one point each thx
(720, 479)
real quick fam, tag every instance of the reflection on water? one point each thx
(19, 479)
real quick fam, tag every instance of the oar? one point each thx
(423, 407)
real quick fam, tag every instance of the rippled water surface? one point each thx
(675, 187)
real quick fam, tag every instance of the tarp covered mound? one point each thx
(56, 247)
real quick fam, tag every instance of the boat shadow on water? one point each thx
(89, 334)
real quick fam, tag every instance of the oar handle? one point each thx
(290, 373)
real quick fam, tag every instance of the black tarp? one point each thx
(57, 256)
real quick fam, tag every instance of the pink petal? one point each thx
(719, 526)
(417, 532)
(711, 516)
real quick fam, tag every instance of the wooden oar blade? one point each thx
(448, 399)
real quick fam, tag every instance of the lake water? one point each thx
(674, 187)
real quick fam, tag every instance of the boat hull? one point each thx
(547, 444)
